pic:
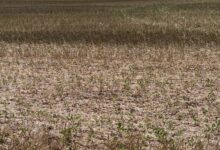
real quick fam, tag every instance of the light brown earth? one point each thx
(114, 80)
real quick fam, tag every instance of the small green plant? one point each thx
(142, 83)
(214, 127)
(127, 84)
(67, 135)
(162, 137)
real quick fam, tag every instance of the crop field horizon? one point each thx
(110, 74)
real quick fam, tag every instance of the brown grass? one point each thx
(143, 76)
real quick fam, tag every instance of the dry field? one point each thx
(108, 74)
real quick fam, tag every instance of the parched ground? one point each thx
(109, 96)
(117, 75)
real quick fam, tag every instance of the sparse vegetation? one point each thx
(107, 74)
